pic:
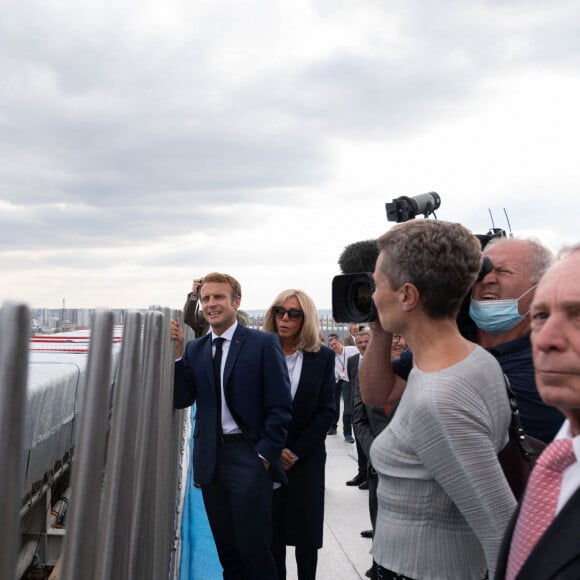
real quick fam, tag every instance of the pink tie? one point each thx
(539, 503)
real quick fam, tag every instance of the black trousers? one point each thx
(337, 397)
(381, 573)
(306, 561)
(373, 480)
(362, 458)
(346, 389)
(306, 555)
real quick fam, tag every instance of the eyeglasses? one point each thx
(293, 313)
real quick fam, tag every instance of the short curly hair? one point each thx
(441, 259)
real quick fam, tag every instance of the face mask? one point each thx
(496, 316)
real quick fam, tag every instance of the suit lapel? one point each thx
(353, 368)
(557, 546)
(234, 351)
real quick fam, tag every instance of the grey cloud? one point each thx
(73, 227)
(120, 122)
(498, 35)
(446, 54)
(138, 218)
(141, 130)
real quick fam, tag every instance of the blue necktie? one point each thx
(217, 367)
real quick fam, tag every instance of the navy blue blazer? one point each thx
(557, 553)
(256, 389)
(313, 411)
(313, 407)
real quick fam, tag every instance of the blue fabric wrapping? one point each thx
(199, 559)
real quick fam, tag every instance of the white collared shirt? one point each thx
(294, 364)
(229, 424)
(340, 370)
(570, 475)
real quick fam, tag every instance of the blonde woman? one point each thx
(298, 510)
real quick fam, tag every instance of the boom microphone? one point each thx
(359, 257)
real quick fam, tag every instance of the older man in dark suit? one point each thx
(239, 380)
(542, 540)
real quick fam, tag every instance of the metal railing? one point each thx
(14, 332)
(125, 469)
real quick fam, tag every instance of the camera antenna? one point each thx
(491, 218)
(508, 223)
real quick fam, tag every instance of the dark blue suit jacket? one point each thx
(556, 555)
(313, 406)
(256, 389)
(313, 411)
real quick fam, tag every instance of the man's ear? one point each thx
(408, 296)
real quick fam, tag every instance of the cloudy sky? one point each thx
(145, 143)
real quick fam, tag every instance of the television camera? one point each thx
(352, 290)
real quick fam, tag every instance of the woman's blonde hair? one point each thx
(309, 336)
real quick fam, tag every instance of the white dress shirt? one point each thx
(294, 364)
(340, 370)
(229, 424)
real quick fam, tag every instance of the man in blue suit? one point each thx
(239, 380)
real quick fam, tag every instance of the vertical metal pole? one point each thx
(14, 335)
(115, 530)
(143, 517)
(79, 559)
(175, 455)
(166, 462)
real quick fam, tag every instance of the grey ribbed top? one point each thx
(444, 503)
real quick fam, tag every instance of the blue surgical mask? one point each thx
(496, 316)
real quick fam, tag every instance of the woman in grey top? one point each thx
(443, 499)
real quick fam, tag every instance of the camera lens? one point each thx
(361, 293)
(352, 298)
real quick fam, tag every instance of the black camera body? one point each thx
(406, 208)
(352, 292)
(352, 298)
